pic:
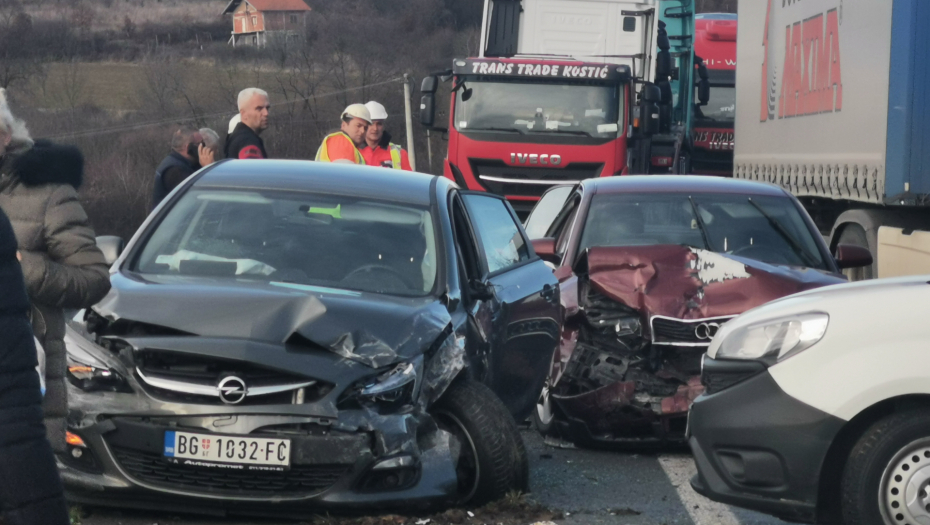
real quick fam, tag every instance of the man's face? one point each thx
(255, 113)
(355, 129)
(375, 131)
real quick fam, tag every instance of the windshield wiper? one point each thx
(560, 132)
(786, 235)
(701, 225)
(506, 130)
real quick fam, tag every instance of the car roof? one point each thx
(680, 184)
(320, 177)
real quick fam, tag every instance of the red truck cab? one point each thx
(521, 125)
(715, 44)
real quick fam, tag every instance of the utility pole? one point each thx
(409, 115)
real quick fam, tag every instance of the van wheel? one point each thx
(855, 235)
(887, 476)
(490, 456)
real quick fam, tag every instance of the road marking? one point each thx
(703, 511)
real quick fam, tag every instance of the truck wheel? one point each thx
(855, 235)
(490, 457)
(887, 476)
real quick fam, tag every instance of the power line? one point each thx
(174, 120)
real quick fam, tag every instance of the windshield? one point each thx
(536, 108)
(767, 229)
(721, 106)
(295, 239)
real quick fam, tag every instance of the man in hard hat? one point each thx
(378, 150)
(343, 145)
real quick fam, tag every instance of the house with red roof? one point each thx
(256, 22)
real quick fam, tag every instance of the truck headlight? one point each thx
(775, 340)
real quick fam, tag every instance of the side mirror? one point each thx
(428, 110)
(429, 85)
(652, 93)
(480, 290)
(545, 249)
(111, 246)
(852, 256)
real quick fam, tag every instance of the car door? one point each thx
(546, 211)
(515, 301)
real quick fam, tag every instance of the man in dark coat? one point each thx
(30, 489)
(188, 154)
(244, 142)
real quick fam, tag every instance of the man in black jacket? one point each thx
(30, 488)
(188, 154)
(244, 142)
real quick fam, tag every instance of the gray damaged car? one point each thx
(283, 335)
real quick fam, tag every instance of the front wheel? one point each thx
(887, 476)
(489, 454)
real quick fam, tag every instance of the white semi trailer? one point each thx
(832, 105)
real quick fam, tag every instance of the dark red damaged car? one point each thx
(649, 269)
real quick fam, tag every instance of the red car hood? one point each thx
(690, 283)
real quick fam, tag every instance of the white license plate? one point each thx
(236, 452)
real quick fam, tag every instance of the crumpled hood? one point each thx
(373, 329)
(690, 283)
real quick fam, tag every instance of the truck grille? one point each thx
(300, 479)
(685, 332)
(503, 179)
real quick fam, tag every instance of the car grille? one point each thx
(300, 479)
(198, 371)
(685, 332)
(503, 179)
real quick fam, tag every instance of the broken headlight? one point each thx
(397, 386)
(775, 340)
(88, 372)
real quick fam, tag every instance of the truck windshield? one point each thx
(721, 106)
(539, 108)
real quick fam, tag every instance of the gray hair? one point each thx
(246, 94)
(16, 128)
(210, 138)
(182, 138)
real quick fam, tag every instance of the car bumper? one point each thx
(757, 447)
(122, 464)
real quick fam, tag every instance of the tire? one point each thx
(892, 454)
(855, 235)
(492, 460)
(545, 413)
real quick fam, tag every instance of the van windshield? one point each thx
(586, 110)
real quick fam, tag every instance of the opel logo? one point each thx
(706, 331)
(232, 390)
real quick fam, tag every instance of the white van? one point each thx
(817, 406)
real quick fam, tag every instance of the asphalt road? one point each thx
(590, 487)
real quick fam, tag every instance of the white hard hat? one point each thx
(233, 122)
(357, 111)
(377, 111)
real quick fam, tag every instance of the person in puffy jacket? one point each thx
(62, 265)
(30, 490)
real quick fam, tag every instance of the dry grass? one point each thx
(109, 15)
